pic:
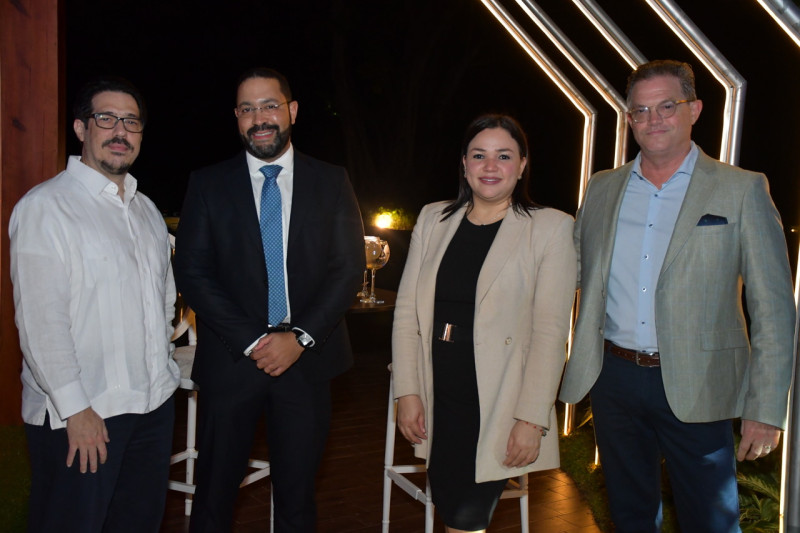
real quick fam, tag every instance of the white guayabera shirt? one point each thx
(94, 298)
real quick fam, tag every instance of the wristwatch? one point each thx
(303, 338)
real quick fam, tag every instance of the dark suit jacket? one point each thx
(221, 272)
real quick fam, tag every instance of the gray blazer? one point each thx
(710, 370)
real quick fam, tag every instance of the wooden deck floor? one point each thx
(350, 485)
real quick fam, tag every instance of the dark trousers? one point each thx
(126, 494)
(297, 414)
(635, 428)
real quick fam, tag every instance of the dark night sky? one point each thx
(386, 88)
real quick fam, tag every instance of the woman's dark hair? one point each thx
(521, 199)
(82, 108)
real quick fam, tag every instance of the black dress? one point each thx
(462, 503)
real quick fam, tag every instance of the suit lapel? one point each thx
(241, 188)
(611, 200)
(441, 235)
(502, 248)
(302, 197)
(701, 187)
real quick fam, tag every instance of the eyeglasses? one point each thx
(249, 111)
(664, 109)
(109, 122)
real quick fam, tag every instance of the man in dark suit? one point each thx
(269, 255)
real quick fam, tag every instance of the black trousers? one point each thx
(635, 428)
(126, 494)
(297, 414)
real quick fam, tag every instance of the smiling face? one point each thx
(659, 138)
(493, 166)
(111, 152)
(265, 133)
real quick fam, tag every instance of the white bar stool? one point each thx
(184, 356)
(395, 474)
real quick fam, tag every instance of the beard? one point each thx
(267, 151)
(115, 170)
(119, 169)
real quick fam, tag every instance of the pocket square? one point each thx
(712, 220)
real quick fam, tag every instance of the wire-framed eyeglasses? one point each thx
(664, 110)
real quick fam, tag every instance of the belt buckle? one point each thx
(643, 362)
(447, 332)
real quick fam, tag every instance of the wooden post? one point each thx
(32, 115)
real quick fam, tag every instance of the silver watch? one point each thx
(303, 339)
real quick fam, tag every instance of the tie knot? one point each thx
(271, 171)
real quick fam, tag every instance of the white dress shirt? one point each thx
(94, 298)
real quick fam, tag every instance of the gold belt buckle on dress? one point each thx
(447, 332)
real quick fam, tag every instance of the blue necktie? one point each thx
(271, 222)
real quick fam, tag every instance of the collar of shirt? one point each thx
(285, 182)
(286, 161)
(97, 184)
(687, 167)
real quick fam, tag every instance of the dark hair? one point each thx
(82, 108)
(521, 199)
(664, 67)
(268, 73)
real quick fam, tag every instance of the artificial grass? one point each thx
(15, 482)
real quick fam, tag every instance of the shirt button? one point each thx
(508, 341)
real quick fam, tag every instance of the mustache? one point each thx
(263, 127)
(118, 140)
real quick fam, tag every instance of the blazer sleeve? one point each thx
(318, 307)
(767, 279)
(406, 338)
(553, 296)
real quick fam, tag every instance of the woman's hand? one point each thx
(523, 444)
(411, 418)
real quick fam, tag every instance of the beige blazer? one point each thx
(524, 295)
(710, 370)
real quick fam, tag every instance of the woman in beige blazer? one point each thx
(480, 328)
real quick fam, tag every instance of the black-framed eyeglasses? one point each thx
(664, 109)
(107, 121)
(249, 111)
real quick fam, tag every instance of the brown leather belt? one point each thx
(648, 359)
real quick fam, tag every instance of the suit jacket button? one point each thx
(508, 341)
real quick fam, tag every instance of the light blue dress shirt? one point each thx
(644, 228)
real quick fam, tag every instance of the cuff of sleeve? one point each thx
(69, 399)
(249, 349)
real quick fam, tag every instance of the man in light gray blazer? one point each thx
(666, 243)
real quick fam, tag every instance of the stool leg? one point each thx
(388, 456)
(523, 504)
(191, 440)
(428, 508)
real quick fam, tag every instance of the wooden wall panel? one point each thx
(32, 115)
